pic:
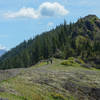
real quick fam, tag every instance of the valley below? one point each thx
(50, 82)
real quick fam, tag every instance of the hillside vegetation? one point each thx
(80, 39)
(57, 81)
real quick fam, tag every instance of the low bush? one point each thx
(71, 61)
(57, 96)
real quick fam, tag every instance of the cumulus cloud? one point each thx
(23, 12)
(52, 9)
(46, 9)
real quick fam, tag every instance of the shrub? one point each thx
(69, 62)
(71, 58)
(57, 96)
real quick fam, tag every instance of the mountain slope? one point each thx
(53, 82)
(76, 39)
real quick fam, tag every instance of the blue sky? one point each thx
(22, 19)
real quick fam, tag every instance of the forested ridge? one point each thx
(66, 40)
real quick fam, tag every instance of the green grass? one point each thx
(26, 89)
(57, 96)
(10, 96)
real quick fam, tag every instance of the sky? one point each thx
(23, 19)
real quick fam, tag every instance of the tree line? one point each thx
(75, 39)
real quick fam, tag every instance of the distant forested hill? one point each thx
(76, 39)
(2, 51)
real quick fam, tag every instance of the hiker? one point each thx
(49, 60)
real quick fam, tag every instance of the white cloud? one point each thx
(23, 12)
(46, 9)
(2, 47)
(52, 9)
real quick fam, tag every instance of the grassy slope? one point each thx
(50, 82)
